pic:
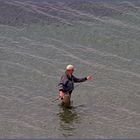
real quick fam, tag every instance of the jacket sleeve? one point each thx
(62, 82)
(78, 80)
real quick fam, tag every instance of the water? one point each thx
(100, 38)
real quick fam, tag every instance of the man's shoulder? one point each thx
(64, 76)
(73, 76)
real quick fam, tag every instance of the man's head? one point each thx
(69, 69)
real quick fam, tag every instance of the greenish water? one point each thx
(34, 56)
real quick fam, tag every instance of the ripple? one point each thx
(21, 66)
(103, 41)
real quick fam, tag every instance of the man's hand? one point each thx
(61, 94)
(89, 77)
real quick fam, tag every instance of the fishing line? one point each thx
(74, 87)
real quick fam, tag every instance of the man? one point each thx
(66, 84)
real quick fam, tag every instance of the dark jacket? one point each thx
(66, 83)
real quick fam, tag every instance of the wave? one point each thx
(39, 38)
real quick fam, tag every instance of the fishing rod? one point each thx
(70, 90)
(67, 92)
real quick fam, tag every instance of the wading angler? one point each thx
(66, 84)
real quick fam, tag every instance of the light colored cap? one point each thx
(69, 67)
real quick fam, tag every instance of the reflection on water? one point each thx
(68, 119)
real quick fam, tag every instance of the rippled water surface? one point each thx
(39, 38)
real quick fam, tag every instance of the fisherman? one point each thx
(66, 84)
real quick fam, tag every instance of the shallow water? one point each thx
(33, 57)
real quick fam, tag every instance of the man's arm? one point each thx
(78, 80)
(62, 83)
